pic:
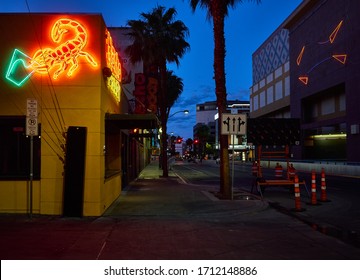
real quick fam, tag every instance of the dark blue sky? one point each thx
(246, 28)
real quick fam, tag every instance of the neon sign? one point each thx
(335, 32)
(62, 57)
(113, 62)
(18, 72)
(298, 60)
(337, 57)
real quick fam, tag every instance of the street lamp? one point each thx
(182, 111)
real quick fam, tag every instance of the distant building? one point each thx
(205, 113)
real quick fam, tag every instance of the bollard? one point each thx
(323, 196)
(313, 190)
(297, 195)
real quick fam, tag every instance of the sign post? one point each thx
(233, 124)
(31, 130)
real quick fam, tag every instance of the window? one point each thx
(270, 95)
(262, 99)
(278, 90)
(328, 105)
(112, 150)
(15, 150)
(255, 102)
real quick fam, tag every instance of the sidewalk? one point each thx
(163, 218)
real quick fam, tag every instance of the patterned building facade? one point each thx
(270, 93)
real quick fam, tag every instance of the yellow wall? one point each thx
(83, 101)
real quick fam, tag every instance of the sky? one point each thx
(246, 28)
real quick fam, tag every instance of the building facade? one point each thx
(324, 57)
(320, 82)
(205, 114)
(270, 93)
(61, 105)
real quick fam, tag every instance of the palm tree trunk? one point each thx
(163, 118)
(220, 90)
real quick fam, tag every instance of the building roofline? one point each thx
(302, 8)
(228, 101)
(299, 12)
(51, 13)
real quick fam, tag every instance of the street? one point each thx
(340, 217)
(159, 218)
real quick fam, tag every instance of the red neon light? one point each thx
(340, 57)
(335, 32)
(298, 60)
(67, 53)
(112, 57)
(304, 79)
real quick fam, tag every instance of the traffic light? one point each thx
(179, 140)
(196, 141)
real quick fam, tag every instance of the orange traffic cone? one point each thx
(313, 190)
(323, 197)
(297, 195)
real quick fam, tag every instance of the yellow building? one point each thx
(60, 75)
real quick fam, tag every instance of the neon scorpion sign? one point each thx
(63, 58)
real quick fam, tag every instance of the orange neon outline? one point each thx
(113, 63)
(335, 32)
(65, 54)
(112, 57)
(299, 58)
(340, 57)
(304, 79)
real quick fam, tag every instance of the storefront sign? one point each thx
(62, 57)
(113, 63)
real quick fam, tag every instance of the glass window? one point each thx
(278, 90)
(262, 99)
(270, 95)
(15, 150)
(112, 150)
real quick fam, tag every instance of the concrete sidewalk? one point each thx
(163, 218)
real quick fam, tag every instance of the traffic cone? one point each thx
(323, 197)
(297, 195)
(313, 190)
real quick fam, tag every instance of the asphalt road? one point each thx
(340, 217)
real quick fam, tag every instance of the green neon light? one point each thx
(17, 72)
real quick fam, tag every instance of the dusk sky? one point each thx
(246, 28)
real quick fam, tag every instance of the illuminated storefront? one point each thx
(70, 67)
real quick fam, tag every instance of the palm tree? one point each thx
(158, 39)
(202, 133)
(217, 10)
(175, 87)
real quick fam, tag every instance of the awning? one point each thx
(132, 121)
